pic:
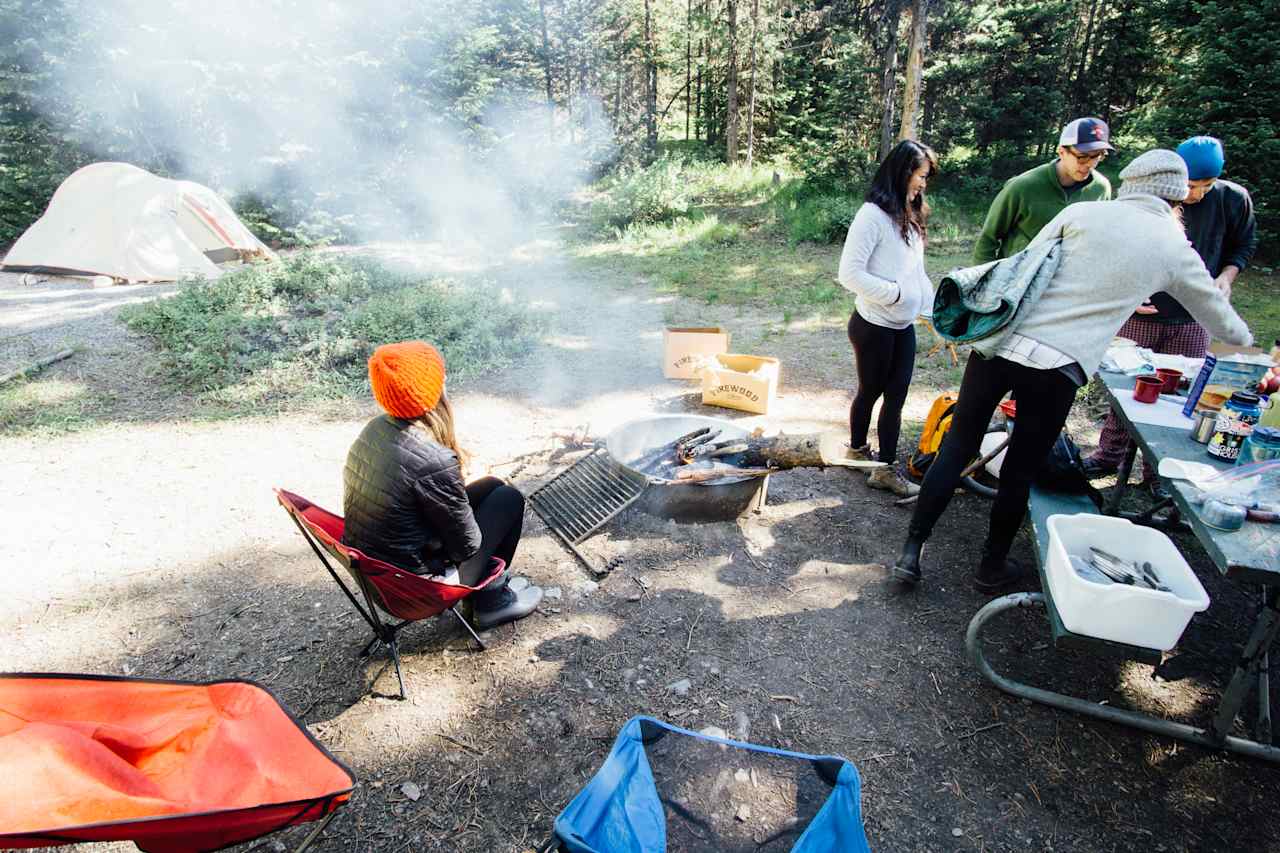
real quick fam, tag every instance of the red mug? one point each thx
(1147, 389)
(1170, 378)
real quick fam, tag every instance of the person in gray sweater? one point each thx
(1115, 254)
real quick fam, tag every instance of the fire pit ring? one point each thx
(721, 501)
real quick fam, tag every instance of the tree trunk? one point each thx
(751, 86)
(1078, 87)
(651, 83)
(731, 85)
(915, 69)
(546, 69)
(888, 73)
(688, 66)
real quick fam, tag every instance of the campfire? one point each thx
(699, 456)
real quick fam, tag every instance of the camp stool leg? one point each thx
(315, 833)
(395, 656)
(325, 561)
(384, 633)
(467, 625)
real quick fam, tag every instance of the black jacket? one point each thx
(1223, 229)
(404, 499)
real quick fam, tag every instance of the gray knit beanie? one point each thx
(1159, 172)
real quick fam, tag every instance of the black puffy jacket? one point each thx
(404, 499)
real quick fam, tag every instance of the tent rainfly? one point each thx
(118, 220)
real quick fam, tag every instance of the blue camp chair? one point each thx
(701, 793)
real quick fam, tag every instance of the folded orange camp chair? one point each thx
(395, 591)
(170, 765)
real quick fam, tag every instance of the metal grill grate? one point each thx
(580, 499)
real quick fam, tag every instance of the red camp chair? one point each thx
(397, 592)
(174, 766)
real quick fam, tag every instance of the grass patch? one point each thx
(1256, 295)
(304, 328)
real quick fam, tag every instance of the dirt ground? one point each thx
(152, 545)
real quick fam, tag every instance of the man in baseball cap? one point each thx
(1028, 201)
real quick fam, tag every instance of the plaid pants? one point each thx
(1189, 339)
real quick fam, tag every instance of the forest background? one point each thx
(325, 123)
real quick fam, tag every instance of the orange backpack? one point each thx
(936, 424)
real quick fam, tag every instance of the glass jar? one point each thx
(1262, 445)
(1235, 421)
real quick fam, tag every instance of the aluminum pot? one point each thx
(722, 501)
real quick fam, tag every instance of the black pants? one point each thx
(885, 359)
(499, 511)
(1044, 399)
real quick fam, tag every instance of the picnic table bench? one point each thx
(1250, 555)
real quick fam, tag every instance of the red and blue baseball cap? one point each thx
(1086, 134)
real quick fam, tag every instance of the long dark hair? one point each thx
(888, 189)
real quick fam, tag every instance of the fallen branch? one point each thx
(979, 731)
(37, 365)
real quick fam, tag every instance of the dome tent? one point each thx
(118, 220)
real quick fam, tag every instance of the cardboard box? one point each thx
(748, 383)
(684, 350)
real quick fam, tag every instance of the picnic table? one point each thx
(1250, 555)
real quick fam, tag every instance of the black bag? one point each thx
(1063, 471)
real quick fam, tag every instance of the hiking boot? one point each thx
(993, 576)
(1094, 468)
(907, 569)
(859, 454)
(494, 607)
(890, 479)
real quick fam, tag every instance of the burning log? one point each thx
(657, 460)
(719, 472)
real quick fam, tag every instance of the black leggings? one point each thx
(499, 511)
(884, 359)
(1044, 399)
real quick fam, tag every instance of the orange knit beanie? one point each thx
(407, 378)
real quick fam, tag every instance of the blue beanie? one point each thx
(1203, 156)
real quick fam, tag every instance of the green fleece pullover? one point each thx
(1025, 204)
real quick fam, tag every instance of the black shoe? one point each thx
(993, 575)
(1095, 469)
(907, 569)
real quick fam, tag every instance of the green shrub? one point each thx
(655, 193)
(308, 324)
(815, 214)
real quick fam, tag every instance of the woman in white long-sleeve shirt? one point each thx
(883, 263)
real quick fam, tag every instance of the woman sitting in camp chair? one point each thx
(404, 497)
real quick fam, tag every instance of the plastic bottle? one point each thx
(1235, 421)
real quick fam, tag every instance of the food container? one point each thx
(1146, 389)
(1262, 445)
(1123, 614)
(1214, 397)
(1202, 429)
(1234, 423)
(1169, 379)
